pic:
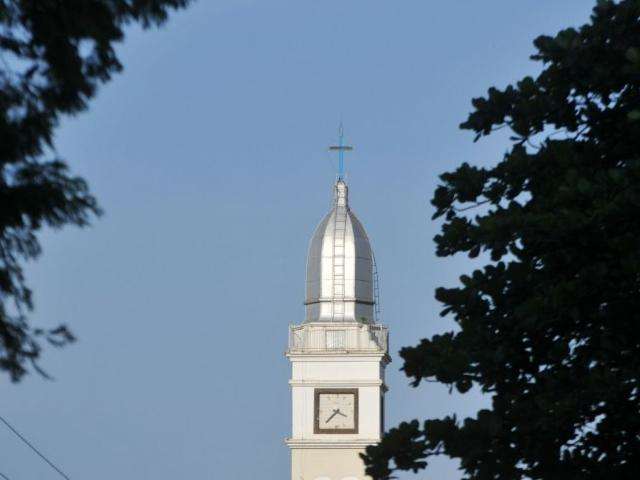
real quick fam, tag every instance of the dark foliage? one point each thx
(53, 56)
(550, 328)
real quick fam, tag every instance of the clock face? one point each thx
(336, 410)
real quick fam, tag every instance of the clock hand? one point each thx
(338, 412)
(335, 412)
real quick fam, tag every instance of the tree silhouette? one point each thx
(53, 56)
(549, 327)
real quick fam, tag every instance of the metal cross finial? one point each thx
(341, 148)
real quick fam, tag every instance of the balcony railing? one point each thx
(335, 337)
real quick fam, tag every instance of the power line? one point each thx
(17, 434)
(4, 476)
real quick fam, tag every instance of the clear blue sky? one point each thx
(209, 156)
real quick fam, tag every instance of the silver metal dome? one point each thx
(340, 267)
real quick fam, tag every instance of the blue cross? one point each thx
(341, 148)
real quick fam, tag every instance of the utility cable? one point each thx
(4, 476)
(19, 435)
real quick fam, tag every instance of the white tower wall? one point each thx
(327, 456)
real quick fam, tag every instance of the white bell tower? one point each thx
(338, 354)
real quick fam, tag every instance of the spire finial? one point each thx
(341, 148)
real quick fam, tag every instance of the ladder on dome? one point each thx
(376, 292)
(339, 232)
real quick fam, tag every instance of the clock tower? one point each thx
(338, 353)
